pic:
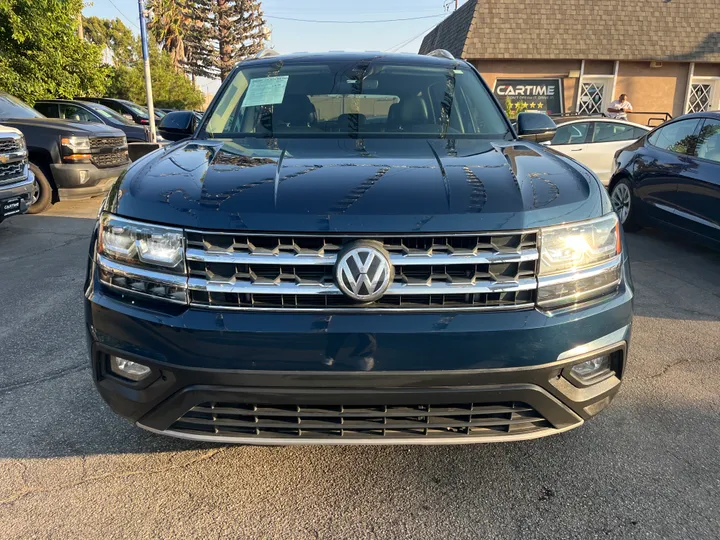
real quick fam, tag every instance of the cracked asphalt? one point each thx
(647, 467)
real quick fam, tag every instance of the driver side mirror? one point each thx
(178, 125)
(535, 127)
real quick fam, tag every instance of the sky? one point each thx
(352, 35)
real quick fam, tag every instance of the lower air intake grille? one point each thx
(383, 422)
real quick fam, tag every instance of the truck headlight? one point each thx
(75, 149)
(140, 258)
(579, 261)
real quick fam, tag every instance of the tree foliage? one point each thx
(208, 37)
(170, 88)
(41, 55)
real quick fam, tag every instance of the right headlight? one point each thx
(579, 262)
(141, 258)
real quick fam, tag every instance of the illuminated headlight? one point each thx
(142, 259)
(579, 261)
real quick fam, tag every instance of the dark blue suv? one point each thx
(357, 248)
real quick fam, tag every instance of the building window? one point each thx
(592, 98)
(700, 96)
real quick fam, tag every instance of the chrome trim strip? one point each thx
(364, 310)
(556, 279)
(200, 284)
(608, 340)
(18, 182)
(687, 215)
(264, 441)
(123, 290)
(13, 157)
(124, 270)
(286, 234)
(194, 254)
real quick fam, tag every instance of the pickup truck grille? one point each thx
(12, 172)
(99, 143)
(110, 159)
(315, 422)
(492, 271)
(8, 146)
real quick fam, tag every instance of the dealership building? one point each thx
(567, 56)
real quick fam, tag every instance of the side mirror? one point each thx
(178, 125)
(536, 127)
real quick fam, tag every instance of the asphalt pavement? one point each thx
(647, 467)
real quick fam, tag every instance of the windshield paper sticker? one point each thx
(268, 91)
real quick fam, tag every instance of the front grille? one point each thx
(100, 143)
(494, 271)
(8, 146)
(12, 172)
(459, 421)
(110, 159)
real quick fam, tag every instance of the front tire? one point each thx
(621, 197)
(41, 196)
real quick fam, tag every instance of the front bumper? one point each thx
(21, 190)
(84, 180)
(299, 378)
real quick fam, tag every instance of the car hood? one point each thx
(348, 185)
(65, 127)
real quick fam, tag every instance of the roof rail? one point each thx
(267, 52)
(441, 53)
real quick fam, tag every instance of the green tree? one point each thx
(41, 55)
(113, 33)
(170, 88)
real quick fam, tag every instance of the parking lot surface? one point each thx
(647, 467)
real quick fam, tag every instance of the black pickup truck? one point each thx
(70, 160)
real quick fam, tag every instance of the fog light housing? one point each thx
(595, 368)
(129, 369)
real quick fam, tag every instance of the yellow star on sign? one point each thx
(532, 105)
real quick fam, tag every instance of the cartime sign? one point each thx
(543, 95)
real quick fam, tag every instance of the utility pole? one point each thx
(81, 34)
(146, 61)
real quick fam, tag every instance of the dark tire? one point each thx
(42, 193)
(623, 202)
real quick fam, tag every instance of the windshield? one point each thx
(12, 107)
(368, 98)
(142, 112)
(108, 113)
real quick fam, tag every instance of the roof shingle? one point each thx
(687, 30)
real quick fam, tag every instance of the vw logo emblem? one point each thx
(363, 271)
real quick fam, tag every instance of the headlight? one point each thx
(142, 259)
(579, 261)
(75, 149)
(141, 244)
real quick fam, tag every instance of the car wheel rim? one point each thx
(35, 193)
(621, 201)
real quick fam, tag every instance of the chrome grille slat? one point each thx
(12, 172)
(439, 272)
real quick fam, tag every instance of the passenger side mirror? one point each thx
(536, 127)
(178, 125)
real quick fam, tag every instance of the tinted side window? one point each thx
(677, 137)
(708, 143)
(73, 112)
(639, 132)
(611, 131)
(571, 133)
(48, 109)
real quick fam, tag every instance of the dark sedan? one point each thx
(86, 111)
(128, 109)
(671, 178)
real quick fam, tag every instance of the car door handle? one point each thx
(576, 150)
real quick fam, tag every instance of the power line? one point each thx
(354, 22)
(402, 44)
(123, 15)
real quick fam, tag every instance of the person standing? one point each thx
(620, 107)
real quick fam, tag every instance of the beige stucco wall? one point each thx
(653, 89)
(650, 89)
(491, 70)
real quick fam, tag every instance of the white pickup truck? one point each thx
(16, 179)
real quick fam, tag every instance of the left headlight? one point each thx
(579, 261)
(142, 258)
